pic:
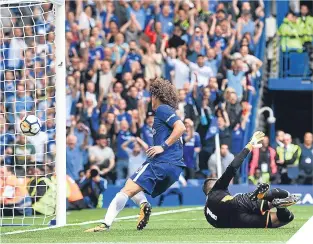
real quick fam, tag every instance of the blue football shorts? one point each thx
(156, 178)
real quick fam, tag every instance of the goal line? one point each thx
(99, 220)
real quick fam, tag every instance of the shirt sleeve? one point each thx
(128, 151)
(193, 66)
(197, 140)
(167, 115)
(170, 61)
(112, 156)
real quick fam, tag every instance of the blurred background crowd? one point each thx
(207, 49)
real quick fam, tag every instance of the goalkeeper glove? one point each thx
(256, 140)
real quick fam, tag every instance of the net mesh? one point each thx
(27, 72)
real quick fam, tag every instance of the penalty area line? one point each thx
(100, 220)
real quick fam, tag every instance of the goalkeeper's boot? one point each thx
(285, 202)
(144, 215)
(259, 192)
(99, 228)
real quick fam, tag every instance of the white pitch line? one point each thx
(100, 220)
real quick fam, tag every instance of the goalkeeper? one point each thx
(249, 210)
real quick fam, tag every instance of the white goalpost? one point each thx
(32, 81)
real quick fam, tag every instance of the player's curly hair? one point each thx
(165, 91)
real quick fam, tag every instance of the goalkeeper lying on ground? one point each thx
(249, 210)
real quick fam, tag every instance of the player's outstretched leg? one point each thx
(283, 215)
(118, 203)
(275, 193)
(285, 202)
(259, 192)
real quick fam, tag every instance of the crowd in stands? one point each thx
(113, 50)
(116, 48)
(284, 162)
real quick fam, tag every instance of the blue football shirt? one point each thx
(190, 157)
(164, 119)
(121, 138)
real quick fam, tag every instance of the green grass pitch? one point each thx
(180, 227)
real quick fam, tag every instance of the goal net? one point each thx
(32, 80)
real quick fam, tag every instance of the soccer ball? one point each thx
(30, 125)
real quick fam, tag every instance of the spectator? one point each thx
(177, 39)
(239, 132)
(195, 49)
(86, 21)
(263, 159)
(122, 156)
(147, 130)
(155, 35)
(247, 7)
(226, 159)
(216, 35)
(305, 27)
(214, 59)
(14, 197)
(192, 147)
(279, 139)
(75, 199)
(290, 34)
(207, 129)
(186, 109)
(81, 130)
(93, 187)
(106, 77)
(259, 177)
(123, 114)
(203, 72)
(22, 101)
(251, 60)
(120, 10)
(143, 94)
(152, 61)
(137, 12)
(17, 46)
(215, 92)
(136, 155)
(8, 85)
(236, 77)
(181, 69)
(224, 129)
(39, 141)
(41, 187)
(306, 160)
(110, 126)
(6, 137)
(25, 156)
(165, 18)
(245, 22)
(132, 99)
(233, 109)
(131, 29)
(287, 156)
(102, 155)
(74, 156)
(131, 55)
